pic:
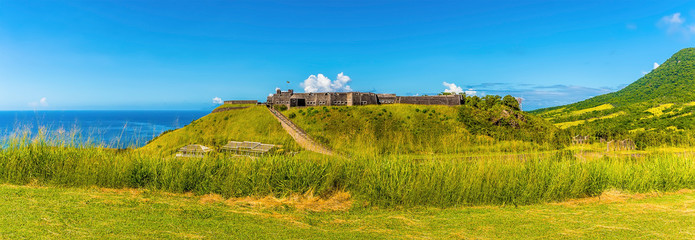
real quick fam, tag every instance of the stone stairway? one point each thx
(299, 135)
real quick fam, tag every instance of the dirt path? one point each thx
(299, 135)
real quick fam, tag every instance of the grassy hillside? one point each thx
(657, 108)
(419, 129)
(254, 123)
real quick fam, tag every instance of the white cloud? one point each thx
(675, 24)
(320, 83)
(470, 92)
(217, 100)
(673, 19)
(452, 88)
(655, 66)
(43, 102)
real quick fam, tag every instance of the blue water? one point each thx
(117, 129)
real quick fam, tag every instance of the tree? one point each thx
(491, 100)
(511, 102)
(473, 101)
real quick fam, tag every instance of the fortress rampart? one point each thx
(291, 99)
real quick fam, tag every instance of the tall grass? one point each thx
(381, 181)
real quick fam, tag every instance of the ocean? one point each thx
(115, 129)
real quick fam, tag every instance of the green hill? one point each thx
(419, 129)
(481, 125)
(254, 123)
(657, 108)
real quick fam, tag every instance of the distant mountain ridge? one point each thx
(674, 80)
(662, 100)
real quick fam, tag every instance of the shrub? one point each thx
(280, 107)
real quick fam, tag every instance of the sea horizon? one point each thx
(103, 128)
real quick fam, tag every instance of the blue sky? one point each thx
(180, 55)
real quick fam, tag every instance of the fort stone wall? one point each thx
(241, 102)
(291, 99)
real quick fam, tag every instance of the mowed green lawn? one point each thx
(53, 212)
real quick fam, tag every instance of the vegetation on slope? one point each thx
(254, 123)
(378, 181)
(654, 110)
(420, 129)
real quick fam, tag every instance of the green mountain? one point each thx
(657, 107)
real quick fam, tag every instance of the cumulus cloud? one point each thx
(217, 100)
(676, 24)
(320, 83)
(452, 88)
(656, 65)
(43, 102)
(673, 19)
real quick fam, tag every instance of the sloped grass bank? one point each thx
(385, 181)
(253, 123)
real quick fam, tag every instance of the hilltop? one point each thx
(480, 125)
(425, 129)
(660, 103)
(237, 123)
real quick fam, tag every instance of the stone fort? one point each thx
(291, 99)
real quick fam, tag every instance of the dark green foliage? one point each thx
(491, 101)
(504, 123)
(280, 107)
(511, 102)
(473, 101)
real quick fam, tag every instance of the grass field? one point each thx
(445, 186)
(76, 213)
